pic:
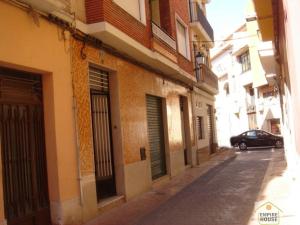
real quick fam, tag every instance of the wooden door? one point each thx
(23, 149)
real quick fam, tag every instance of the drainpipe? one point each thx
(79, 177)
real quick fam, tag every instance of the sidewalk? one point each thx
(135, 209)
(279, 189)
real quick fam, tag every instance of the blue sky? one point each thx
(225, 15)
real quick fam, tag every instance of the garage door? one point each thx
(156, 136)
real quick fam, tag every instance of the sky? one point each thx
(225, 15)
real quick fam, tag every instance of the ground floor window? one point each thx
(199, 124)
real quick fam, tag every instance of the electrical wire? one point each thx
(225, 40)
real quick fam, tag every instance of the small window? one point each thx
(245, 61)
(251, 91)
(199, 124)
(268, 94)
(226, 88)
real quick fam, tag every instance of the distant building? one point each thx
(248, 94)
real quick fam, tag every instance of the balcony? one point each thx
(200, 24)
(59, 8)
(206, 79)
(163, 36)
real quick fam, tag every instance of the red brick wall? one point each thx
(107, 10)
(94, 11)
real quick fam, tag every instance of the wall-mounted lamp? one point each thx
(199, 59)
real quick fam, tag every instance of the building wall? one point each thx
(108, 11)
(130, 84)
(203, 150)
(41, 49)
(232, 107)
(289, 51)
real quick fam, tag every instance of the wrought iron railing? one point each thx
(206, 75)
(197, 15)
(163, 36)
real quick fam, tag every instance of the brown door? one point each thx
(23, 149)
(183, 125)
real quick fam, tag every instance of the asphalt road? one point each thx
(223, 196)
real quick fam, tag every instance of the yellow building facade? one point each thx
(100, 114)
(31, 44)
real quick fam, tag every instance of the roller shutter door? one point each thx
(156, 136)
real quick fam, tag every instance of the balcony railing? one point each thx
(197, 15)
(163, 36)
(205, 75)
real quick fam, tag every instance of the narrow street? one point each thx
(226, 195)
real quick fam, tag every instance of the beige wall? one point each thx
(292, 82)
(257, 69)
(40, 49)
(200, 101)
(129, 119)
(78, 7)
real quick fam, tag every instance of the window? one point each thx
(245, 61)
(136, 8)
(251, 133)
(226, 88)
(199, 124)
(251, 92)
(268, 94)
(182, 40)
(262, 133)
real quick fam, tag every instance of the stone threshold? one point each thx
(111, 202)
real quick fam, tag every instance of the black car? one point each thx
(256, 138)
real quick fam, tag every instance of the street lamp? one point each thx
(199, 59)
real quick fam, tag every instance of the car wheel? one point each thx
(242, 146)
(278, 144)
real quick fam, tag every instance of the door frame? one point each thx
(187, 130)
(163, 136)
(19, 75)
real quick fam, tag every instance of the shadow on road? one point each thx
(225, 195)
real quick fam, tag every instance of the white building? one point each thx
(248, 96)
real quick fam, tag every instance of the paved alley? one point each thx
(224, 195)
